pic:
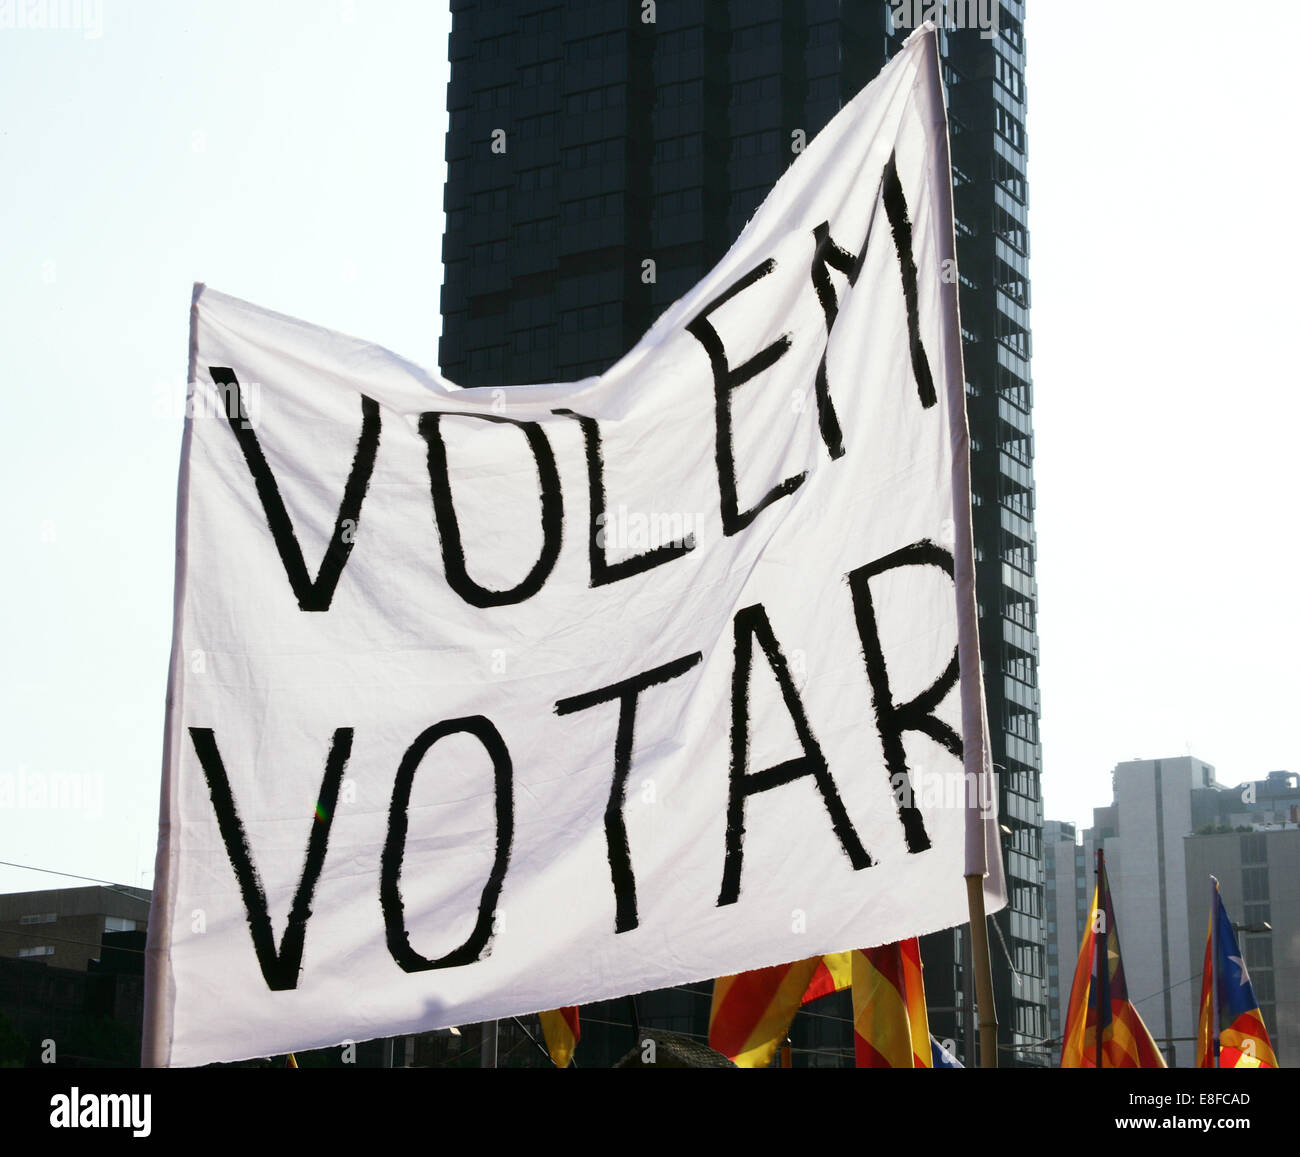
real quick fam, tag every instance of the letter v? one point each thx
(312, 595)
(280, 967)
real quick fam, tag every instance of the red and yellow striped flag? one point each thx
(561, 1030)
(833, 974)
(752, 1011)
(891, 1029)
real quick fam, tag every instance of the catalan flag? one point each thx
(1242, 1040)
(751, 1012)
(833, 974)
(1099, 1003)
(890, 1025)
(561, 1031)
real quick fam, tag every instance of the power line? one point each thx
(804, 1010)
(541, 1048)
(64, 940)
(73, 876)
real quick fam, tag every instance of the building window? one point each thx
(491, 200)
(685, 40)
(44, 950)
(119, 924)
(681, 93)
(756, 36)
(534, 127)
(595, 99)
(592, 47)
(824, 88)
(596, 153)
(1257, 913)
(1009, 76)
(753, 91)
(538, 23)
(534, 74)
(492, 98)
(39, 918)
(530, 180)
(1254, 848)
(754, 144)
(531, 233)
(1254, 885)
(493, 47)
(827, 32)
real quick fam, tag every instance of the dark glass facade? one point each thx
(603, 155)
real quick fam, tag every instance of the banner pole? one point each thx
(1101, 954)
(979, 932)
(159, 990)
(1214, 965)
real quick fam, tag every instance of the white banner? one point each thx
(485, 701)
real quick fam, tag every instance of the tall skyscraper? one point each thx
(604, 154)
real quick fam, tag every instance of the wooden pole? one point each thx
(979, 931)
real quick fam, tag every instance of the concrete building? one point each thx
(1067, 894)
(1171, 825)
(1259, 879)
(72, 976)
(64, 927)
(1275, 799)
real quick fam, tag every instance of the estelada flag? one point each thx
(1242, 1041)
(890, 1024)
(562, 1031)
(1099, 1000)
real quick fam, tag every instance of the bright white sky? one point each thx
(291, 154)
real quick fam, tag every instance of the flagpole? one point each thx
(1102, 956)
(488, 1045)
(1214, 964)
(979, 935)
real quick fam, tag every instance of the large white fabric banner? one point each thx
(485, 701)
